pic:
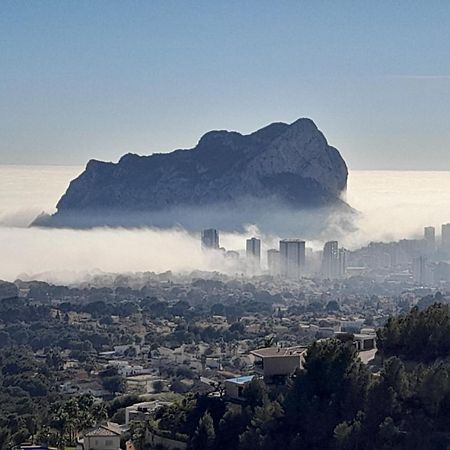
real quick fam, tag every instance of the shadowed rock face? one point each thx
(291, 166)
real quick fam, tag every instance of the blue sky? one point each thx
(96, 79)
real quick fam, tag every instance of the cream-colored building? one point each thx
(104, 437)
(365, 341)
(277, 363)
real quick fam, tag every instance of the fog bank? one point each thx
(391, 205)
(64, 254)
(397, 204)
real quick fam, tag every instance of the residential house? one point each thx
(365, 341)
(103, 437)
(139, 412)
(275, 364)
(234, 387)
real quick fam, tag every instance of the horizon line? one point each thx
(350, 169)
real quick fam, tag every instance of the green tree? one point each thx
(330, 390)
(263, 430)
(114, 384)
(204, 436)
(256, 393)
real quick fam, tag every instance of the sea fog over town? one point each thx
(224, 225)
(391, 207)
(139, 341)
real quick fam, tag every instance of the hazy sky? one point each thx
(96, 79)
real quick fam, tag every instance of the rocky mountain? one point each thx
(289, 165)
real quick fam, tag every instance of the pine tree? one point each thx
(205, 434)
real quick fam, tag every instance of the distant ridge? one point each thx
(283, 165)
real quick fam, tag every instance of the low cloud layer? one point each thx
(391, 205)
(64, 255)
(397, 204)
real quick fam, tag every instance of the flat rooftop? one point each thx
(365, 336)
(150, 406)
(271, 352)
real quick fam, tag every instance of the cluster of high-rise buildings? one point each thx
(433, 244)
(289, 260)
(425, 267)
(422, 261)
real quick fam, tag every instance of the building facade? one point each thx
(253, 253)
(330, 260)
(276, 364)
(210, 239)
(445, 237)
(104, 437)
(429, 235)
(292, 258)
(273, 261)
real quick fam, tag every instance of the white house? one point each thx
(104, 437)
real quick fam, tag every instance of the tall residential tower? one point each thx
(292, 258)
(330, 260)
(210, 239)
(445, 237)
(429, 235)
(253, 252)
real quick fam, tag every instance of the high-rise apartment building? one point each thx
(210, 239)
(253, 252)
(342, 262)
(421, 271)
(330, 260)
(429, 235)
(273, 261)
(253, 249)
(292, 258)
(445, 237)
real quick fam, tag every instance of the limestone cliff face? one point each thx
(291, 164)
